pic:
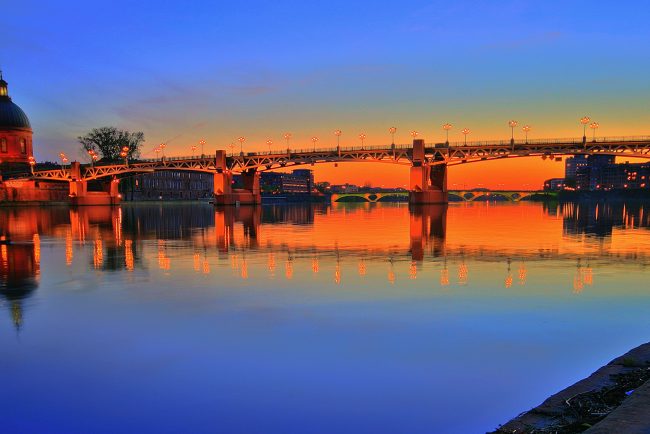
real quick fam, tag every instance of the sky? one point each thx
(185, 71)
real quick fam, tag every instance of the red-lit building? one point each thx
(15, 130)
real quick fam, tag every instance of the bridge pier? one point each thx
(224, 194)
(80, 196)
(428, 183)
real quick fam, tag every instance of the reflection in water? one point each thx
(349, 305)
(339, 236)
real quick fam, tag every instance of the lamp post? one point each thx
(64, 159)
(125, 154)
(232, 148)
(594, 126)
(287, 137)
(314, 140)
(362, 137)
(241, 140)
(512, 125)
(526, 128)
(447, 127)
(338, 133)
(157, 150)
(92, 154)
(414, 134)
(193, 150)
(392, 131)
(202, 143)
(32, 163)
(269, 142)
(465, 132)
(584, 121)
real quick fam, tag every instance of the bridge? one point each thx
(453, 195)
(428, 163)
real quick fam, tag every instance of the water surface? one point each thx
(360, 318)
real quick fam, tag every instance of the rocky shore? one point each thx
(614, 399)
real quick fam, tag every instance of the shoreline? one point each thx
(615, 398)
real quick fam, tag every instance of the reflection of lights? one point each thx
(98, 254)
(508, 281)
(36, 239)
(128, 255)
(206, 267)
(314, 264)
(522, 274)
(164, 263)
(444, 276)
(288, 268)
(588, 277)
(337, 274)
(271, 264)
(413, 270)
(244, 269)
(362, 268)
(68, 247)
(391, 273)
(197, 262)
(3, 253)
(234, 262)
(462, 274)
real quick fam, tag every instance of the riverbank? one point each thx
(615, 398)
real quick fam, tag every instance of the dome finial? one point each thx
(3, 86)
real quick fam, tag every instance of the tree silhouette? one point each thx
(108, 142)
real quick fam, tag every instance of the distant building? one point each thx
(554, 184)
(168, 185)
(299, 181)
(600, 172)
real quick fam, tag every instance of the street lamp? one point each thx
(193, 150)
(512, 125)
(125, 154)
(202, 143)
(594, 126)
(32, 163)
(241, 140)
(162, 148)
(92, 155)
(338, 133)
(465, 132)
(269, 142)
(232, 149)
(414, 134)
(64, 159)
(526, 128)
(584, 121)
(314, 140)
(447, 127)
(157, 150)
(362, 137)
(392, 131)
(287, 136)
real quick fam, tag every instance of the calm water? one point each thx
(299, 319)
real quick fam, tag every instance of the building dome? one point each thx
(11, 116)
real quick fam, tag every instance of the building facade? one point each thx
(299, 181)
(15, 130)
(168, 185)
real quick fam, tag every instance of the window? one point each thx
(3, 145)
(23, 146)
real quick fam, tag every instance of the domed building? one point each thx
(15, 130)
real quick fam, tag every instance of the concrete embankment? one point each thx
(615, 398)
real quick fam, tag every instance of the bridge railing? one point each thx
(569, 141)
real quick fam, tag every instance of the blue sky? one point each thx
(216, 70)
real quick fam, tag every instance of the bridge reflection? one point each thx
(318, 239)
